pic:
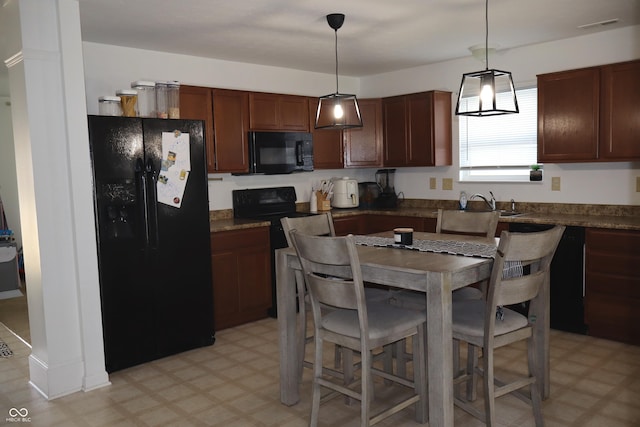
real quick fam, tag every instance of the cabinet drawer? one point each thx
(235, 239)
(613, 241)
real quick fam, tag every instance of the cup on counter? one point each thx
(403, 236)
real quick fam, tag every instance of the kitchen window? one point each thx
(500, 148)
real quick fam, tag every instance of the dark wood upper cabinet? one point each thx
(568, 112)
(417, 129)
(395, 130)
(231, 126)
(590, 114)
(620, 111)
(226, 117)
(271, 111)
(196, 104)
(328, 152)
(363, 146)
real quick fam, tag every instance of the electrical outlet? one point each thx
(447, 183)
(637, 184)
(432, 183)
(555, 183)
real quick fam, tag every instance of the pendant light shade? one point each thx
(337, 110)
(488, 92)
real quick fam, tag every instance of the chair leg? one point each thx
(367, 387)
(302, 339)
(347, 369)
(317, 374)
(456, 365)
(536, 400)
(489, 388)
(420, 375)
(472, 363)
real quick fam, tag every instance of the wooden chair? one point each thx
(483, 224)
(488, 325)
(315, 225)
(467, 222)
(331, 270)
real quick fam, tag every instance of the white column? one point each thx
(46, 81)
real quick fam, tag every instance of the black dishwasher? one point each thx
(567, 277)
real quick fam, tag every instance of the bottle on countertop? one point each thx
(463, 200)
(313, 202)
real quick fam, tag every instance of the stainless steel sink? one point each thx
(510, 213)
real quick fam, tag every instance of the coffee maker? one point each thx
(387, 198)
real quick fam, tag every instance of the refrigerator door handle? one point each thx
(152, 204)
(141, 181)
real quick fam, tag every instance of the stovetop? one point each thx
(265, 203)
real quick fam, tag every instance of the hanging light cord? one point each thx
(336, 32)
(486, 36)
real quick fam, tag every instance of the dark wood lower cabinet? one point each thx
(241, 264)
(612, 284)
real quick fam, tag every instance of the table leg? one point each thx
(286, 301)
(439, 350)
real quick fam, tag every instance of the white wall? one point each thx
(108, 68)
(8, 179)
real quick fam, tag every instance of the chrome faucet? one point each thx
(491, 203)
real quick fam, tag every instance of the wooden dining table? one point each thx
(434, 274)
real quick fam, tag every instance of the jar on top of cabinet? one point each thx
(109, 106)
(128, 101)
(146, 97)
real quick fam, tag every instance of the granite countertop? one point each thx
(620, 217)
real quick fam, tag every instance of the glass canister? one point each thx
(146, 97)
(128, 101)
(109, 106)
(162, 100)
(173, 99)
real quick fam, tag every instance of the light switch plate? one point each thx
(555, 183)
(447, 183)
(432, 183)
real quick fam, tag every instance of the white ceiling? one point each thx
(377, 36)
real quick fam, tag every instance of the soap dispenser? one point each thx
(463, 200)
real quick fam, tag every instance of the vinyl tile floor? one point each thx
(235, 382)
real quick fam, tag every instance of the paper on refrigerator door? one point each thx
(174, 168)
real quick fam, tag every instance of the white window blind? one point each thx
(500, 147)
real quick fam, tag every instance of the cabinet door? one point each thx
(395, 131)
(440, 130)
(327, 143)
(363, 146)
(196, 104)
(349, 225)
(271, 111)
(230, 112)
(620, 112)
(380, 223)
(568, 116)
(417, 129)
(612, 284)
(294, 113)
(240, 294)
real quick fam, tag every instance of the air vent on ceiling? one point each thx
(599, 24)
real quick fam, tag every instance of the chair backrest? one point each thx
(313, 225)
(521, 268)
(332, 273)
(467, 222)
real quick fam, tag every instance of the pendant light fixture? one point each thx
(337, 110)
(488, 92)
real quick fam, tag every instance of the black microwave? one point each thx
(280, 152)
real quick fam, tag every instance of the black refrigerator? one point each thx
(154, 256)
